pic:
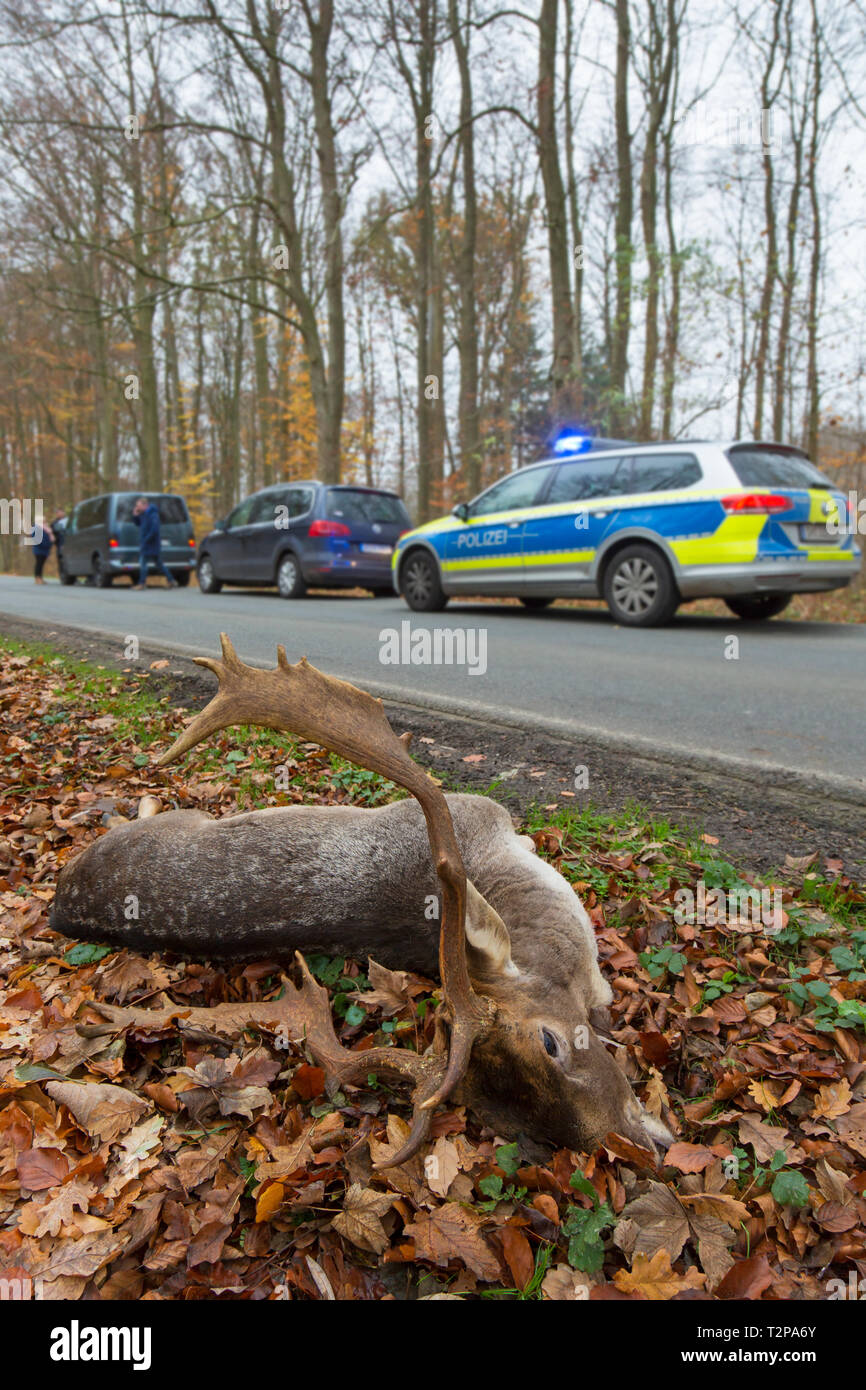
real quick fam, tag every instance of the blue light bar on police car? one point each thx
(572, 444)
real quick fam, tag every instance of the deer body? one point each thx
(337, 879)
(516, 951)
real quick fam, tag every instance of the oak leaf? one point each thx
(833, 1100)
(654, 1278)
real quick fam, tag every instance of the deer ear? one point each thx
(488, 944)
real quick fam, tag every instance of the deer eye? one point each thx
(551, 1042)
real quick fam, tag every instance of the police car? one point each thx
(647, 527)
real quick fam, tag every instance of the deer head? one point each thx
(527, 1068)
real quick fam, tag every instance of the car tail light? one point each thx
(329, 528)
(113, 543)
(192, 540)
(757, 502)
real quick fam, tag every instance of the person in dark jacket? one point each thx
(41, 549)
(145, 514)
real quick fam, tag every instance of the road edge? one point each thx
(829, 787)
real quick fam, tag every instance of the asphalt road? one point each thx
(793, 698)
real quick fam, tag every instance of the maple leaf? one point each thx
(232, 1082)
(390, 991)
(654, 1278)
(662, 1221)
(452, 1232)
(360, 1221)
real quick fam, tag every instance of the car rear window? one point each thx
(350, 504)
(774, 468)
(172, 510)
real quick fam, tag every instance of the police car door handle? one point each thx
(513, 524)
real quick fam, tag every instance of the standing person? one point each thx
(145, 514)
(41, 549)
(58, 528)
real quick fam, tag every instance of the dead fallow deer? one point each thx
(516, 951)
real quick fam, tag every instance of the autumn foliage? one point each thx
(159, 1162)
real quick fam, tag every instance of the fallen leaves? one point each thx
(360, 1221)
(103, 1112)
(453, 1233)
(654, 1279)
(153, 1162)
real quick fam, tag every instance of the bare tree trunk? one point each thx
(771, 264)
(622, 220)
(813, 390)
(577, 249)
(670, 353)
(329, 429)
(660, 47)
(467, 338)
(557, 224)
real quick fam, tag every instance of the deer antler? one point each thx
(347, 721)
(304, 1015)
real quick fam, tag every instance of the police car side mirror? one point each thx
(461, 511)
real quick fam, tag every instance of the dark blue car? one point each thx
(306, 534)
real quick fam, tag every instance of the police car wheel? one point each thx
(760, 606)
(639, 588)
(420, 583)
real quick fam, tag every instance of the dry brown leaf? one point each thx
(655, 1279)
(518, 1255)
(451, 1232)
(766, 1094)
(689, 1158)
(661, 1220)
(562, 1284)
(832, 1100)
(441, 1166)
(360, 1221)
(104, 1112)
(59, 1210)
(390, 991)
